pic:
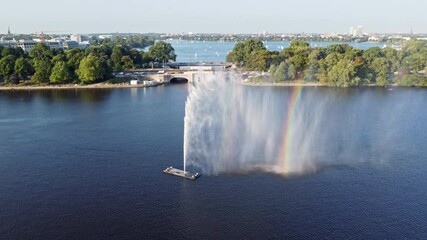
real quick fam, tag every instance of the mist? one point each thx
(234, 128)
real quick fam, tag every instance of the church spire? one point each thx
(8, 30)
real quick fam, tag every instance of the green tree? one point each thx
(146, 58)
(371, 54)
(58, 58)
(314, 60)
(251, 46)
(336, 48)
(243, 53)
(16, 52)
(292, 72)
(393, 57)
(381, 71)
(237, 55)
(1, 50)
(60, 73)
(42, 57)
(281, 72)
(310, 74)
(43, 69)
(90, 69)
(99, 51)
(116, 57)
(342, 74)
(40, 52)
(162, 52)
(258, 60)
(23, 68)
(298, 53)
(272, 69)
(136, 57)
(127, 62)
(415, 62)
(74, 57)
(7, 65)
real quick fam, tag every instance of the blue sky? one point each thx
(225, 16)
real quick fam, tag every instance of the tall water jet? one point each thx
(234, 127)
(231, 127)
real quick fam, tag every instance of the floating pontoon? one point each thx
(180, 173)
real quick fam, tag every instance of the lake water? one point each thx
(206, 51)
(87, 164)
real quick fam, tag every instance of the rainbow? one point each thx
(286, 147)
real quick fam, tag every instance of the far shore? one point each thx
(72, 86)
(302, 84)
(287, 84)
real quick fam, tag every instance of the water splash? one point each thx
(230, 127)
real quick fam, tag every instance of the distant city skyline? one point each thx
(220, 16)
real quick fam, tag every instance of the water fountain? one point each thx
(230, 127)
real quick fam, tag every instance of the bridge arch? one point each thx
(178, 80)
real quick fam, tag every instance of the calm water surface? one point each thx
(207, 51)
(87, 164)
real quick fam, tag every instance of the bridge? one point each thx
(184, 72)
(199, 65)
(180, 76)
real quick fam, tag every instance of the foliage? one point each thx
(60, 73)
(74, 57)
(243, 54)
(413, 80)
(90, 69)
(258, 60)
(131, 41)
(7, 65)
(337, 65)
(127, 62)
(162, 52)
(43, 69)
(40, 52)
(116, 58)
(23, 68)
(342, 74)
(58, 66)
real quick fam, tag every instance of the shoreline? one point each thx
(289, 84)
(73, 86)
(113, 86)
(302, 84)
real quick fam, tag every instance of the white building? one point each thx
(84, 45)
(9, 43)
(76, 37)
(27, 45)
(105, 36)
(135, 82)
(359, 30)
(70, 44)
(150, 83)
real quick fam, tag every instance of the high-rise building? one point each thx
(356, 31)
(76, 37)
(359, 30)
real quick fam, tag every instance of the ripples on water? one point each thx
(87, 164)
(205, 51)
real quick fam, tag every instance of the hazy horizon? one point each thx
(220, 16)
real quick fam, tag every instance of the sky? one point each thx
(214, 16)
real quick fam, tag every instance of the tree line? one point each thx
(338, 65)
(135, 41)
(94, 64)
